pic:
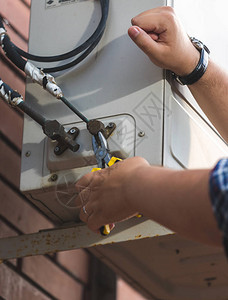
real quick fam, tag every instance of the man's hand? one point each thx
(178, 200)
(107, 194)
(160, 35)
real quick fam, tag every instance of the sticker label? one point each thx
(56, 3)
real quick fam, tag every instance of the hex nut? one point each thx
(141, 134)
(54, 177)
(28, 153)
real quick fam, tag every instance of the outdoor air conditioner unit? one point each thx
(154, 117)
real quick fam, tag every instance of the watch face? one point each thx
(199, 45)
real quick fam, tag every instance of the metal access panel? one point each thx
(115, 84)
(190, 140)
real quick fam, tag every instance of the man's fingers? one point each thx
(88, 216)
(83, 197)
(155, 19)
(149, 23)
(159, 10)
(85, 213)
(83, 182)
(83, 188)
(143, 40)
(91, 180)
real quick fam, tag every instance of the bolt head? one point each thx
(141, 134)
(54, 177)
(72, 131)
(28, 153)
(101, 153)
(111, 124)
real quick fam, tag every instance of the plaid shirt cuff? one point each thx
(219, 197)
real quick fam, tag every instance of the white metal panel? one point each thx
(114, 83)
(189, 140)
(194, 143)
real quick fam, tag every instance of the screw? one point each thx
(72, 131)
(57, 149)
(54, 177)
(28, 153)
(101, 152)
(141, 134)
(111, 124)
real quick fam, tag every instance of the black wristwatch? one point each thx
(201, 67)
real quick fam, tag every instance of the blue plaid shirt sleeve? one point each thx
(219, 197)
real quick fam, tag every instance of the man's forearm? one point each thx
(211, 93)
(178, 200)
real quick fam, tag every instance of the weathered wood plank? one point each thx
(14, 287)
(9, 164)
(51, 278)
(17, 14)
(11, 124)
(20, 213)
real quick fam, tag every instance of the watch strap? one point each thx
(201, 67)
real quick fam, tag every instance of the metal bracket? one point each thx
(74, 237)
(62, 146)
(109, 129)
(94, 126)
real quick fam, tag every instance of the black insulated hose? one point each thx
(7, 93)
(90, 41)
(11, 96)
(74, 62)
(10, 50)
(15, 54)
(12, 54)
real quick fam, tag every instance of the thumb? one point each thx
(147, 43)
